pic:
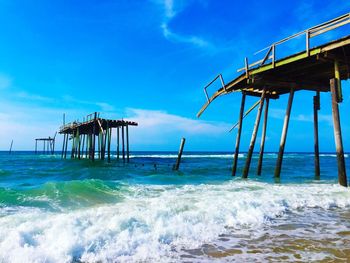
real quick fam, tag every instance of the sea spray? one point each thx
(156, 222)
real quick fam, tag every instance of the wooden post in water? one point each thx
(253, 139)
(109, 132)
(10, 151)
(78, 143)
(63, 144)
(83, 146)
(284, 135)
(44, 148)
(118, 143)
(66, 147)
(73, 145)
(93, 138)
(238, 139)
(127, 143)
(53, 143)
(105, 140)
(36, 146)
(99, 145)
(337, 133)
(263, 136)
(123, 144)
(88, 145)
(316, 147)
(182, 144)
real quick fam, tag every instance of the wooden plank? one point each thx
(246, 113)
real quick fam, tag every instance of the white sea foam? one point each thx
(154, 223)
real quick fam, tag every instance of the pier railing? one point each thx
(309, 33)
(270, 56)
(75, 123)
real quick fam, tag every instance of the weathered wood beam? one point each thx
(127, 143)
(316, 146)
(253, 139)
(182, 144)
(263, 136)
(238, 138)
(284, 135)
(338, 135)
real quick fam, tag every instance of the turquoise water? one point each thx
(54, 210)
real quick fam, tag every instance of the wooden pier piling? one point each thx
(93, 137)
(182, 144)
(127, 143)
(263, 136)
(316, 100)
(123, 144)
(238, 138)
(118, 143)
(109, 132)
(254, 134)
(10, 151)
(337, 133)
(64, 142)
(284, 135)
(66, 147)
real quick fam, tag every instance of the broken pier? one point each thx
(94, 135)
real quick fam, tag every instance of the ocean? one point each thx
(54, 210)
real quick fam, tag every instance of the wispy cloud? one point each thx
(162, 130)
(194, 40)
(103, 106)
(171, 9)
(163, 121)
(33, 97)
(279, 114)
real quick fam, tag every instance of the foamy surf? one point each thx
(158, 223)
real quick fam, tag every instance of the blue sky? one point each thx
(148, 61)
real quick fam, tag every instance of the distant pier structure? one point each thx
(317, 69)
(94, 135)
(48, 144)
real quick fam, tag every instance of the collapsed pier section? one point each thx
(96, 132)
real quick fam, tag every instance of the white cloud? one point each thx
(159, 130)
(194, 40)
(171, 8)
(103, 106)
(33, 97)
(279, 114)
(163, 121)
